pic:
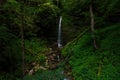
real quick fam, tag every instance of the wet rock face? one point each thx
(53, 58)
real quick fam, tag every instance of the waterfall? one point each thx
(59, 33)
(59, 43)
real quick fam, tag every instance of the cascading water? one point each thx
(59, 43)
(59, 33)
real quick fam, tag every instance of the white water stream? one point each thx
(59, 33)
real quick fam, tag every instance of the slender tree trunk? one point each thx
(23, 51)
(22, 40)
(93, 34)
(58, 3)
(99, 68)
(92, 25)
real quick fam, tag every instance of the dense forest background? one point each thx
(90, 38)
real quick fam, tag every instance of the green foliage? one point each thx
(85, 61)
(35, 50)
(10, 57)
(40, 20)
(47, 21)
(6, 77)
(46, 75)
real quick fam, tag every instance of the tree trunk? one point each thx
(22, 40)
(92, 26)
(94, 39)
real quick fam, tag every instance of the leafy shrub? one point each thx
(90, 64)
(35, 49)
(46, 75)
